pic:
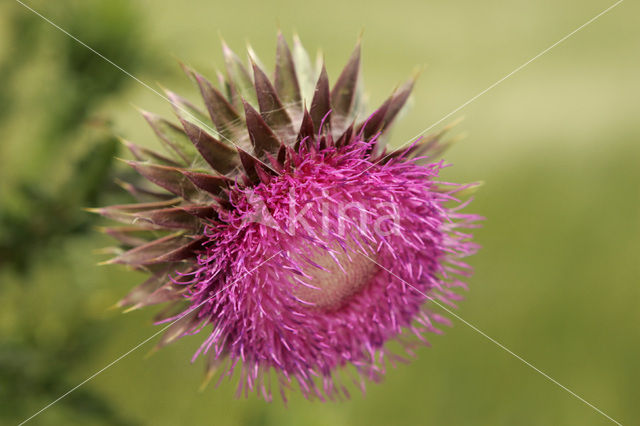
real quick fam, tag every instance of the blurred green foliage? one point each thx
(43, 216)
(65, 165)
(32, 372)
(557, 145)
(34, 214)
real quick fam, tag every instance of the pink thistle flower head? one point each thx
(291, 236)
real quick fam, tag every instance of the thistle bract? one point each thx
(282, 227)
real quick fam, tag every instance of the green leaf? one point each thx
(172, 136)
(305, 72)
(186, 110)
(239, 78)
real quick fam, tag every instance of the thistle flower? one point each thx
(290, 233)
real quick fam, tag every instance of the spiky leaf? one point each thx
(270, 105)
(344, 91)
(321, 103)
(286, 81)
(173, 136)
(239, 78)
(220, 156)
(172, 248)
(169, 178)
(227, 120)
(262, 137)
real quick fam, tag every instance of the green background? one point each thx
(557, 144)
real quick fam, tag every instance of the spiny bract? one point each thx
(289, 231)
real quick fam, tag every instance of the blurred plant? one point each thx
(45, 216)
(62, 160)
(38, 208)
(31, 373)
(23, 33)
(111, 28)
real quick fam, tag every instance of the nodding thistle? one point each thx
(280, 225)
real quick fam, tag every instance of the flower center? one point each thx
(331, 286)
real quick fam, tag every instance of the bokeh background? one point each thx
(557, 145)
